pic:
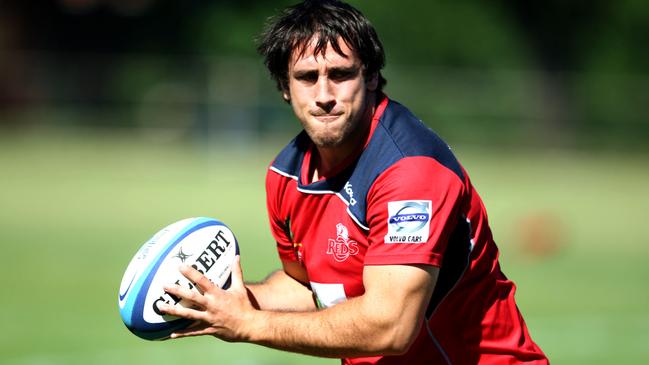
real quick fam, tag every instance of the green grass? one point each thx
(74, 209)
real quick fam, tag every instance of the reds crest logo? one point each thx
(342, 247)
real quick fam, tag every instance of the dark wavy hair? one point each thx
(327, 20)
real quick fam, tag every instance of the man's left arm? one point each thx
(384, 320)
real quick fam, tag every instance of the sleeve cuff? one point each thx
(405, 259)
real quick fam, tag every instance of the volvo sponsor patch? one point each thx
(408, 221)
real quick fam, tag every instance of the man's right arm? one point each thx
(283, 290)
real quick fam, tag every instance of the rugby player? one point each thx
(386, 250)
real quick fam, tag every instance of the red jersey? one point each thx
(404, 199)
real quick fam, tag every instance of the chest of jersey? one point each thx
(328, 243)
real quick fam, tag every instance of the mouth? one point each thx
(326, 117)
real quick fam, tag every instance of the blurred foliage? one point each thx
(572, 74)
(447, 33)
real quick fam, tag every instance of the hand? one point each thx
(218, 312)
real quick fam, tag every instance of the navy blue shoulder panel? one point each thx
(289, 160)
(413, 138)
(398, 134)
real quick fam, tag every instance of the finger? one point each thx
(185, 293)
(180, 311)
(202, 282)
(193, 331)
(194, 326)
(237, 273)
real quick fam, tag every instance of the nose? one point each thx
(325, 98)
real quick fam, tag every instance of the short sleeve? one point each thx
(413, 207)
(276, 186)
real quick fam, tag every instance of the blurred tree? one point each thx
(591, 57)
(473, 34)
(553, 31)
(231, 27)
(578, 46)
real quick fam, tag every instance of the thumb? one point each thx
(237, 274)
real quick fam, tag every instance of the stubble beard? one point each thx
(328, 138)
(351, 128)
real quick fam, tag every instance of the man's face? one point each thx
(329, 95)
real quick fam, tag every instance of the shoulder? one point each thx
(401, 134)
(403, 153)
(284, 170)
(419, 171)
(289, 160)
(416, 178)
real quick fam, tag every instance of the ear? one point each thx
(286, 95)
(372, 81)
(286, 92)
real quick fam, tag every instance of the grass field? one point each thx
(74, 208)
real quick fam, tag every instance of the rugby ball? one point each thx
(204, 243)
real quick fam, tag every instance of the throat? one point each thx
(326, 163)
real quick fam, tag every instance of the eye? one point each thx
(308, 77)
(343, 74)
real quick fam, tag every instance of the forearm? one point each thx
(384, 320)
(280, 292)
(350, 329)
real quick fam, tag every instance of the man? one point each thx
(386, 251)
